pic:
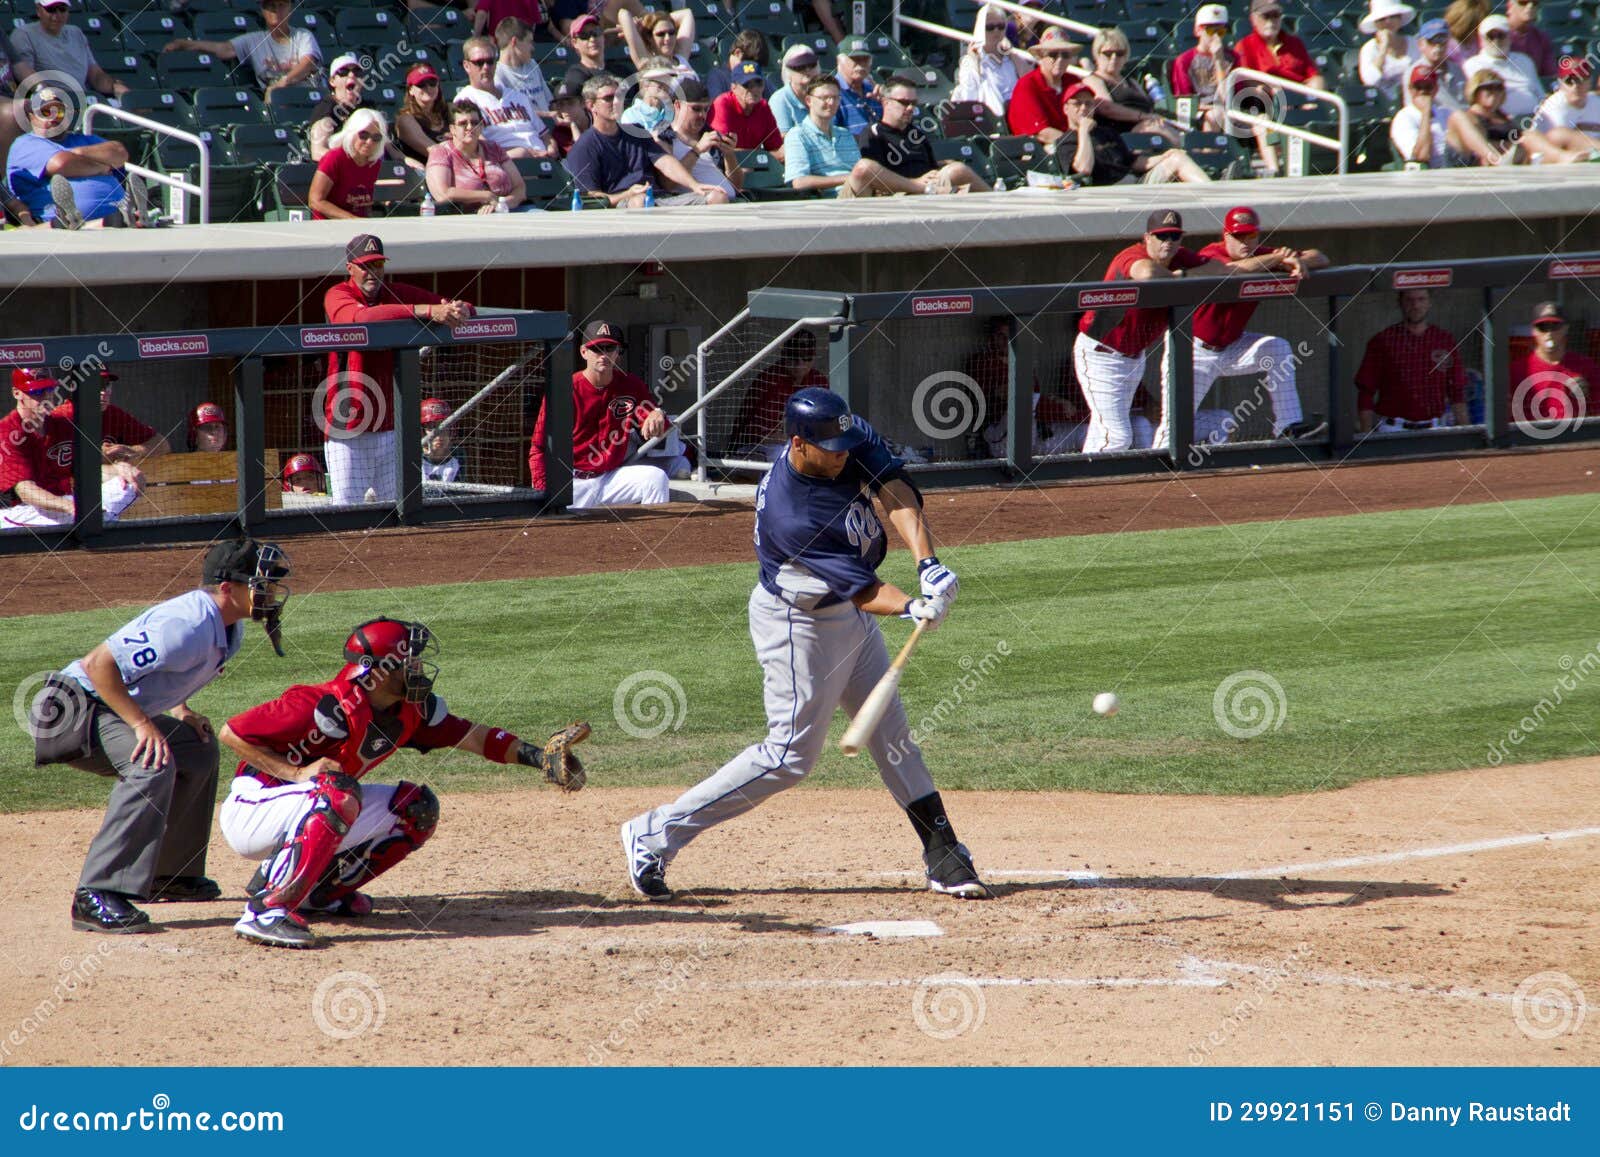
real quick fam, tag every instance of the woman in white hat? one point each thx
(991, 65)
(1386, 59)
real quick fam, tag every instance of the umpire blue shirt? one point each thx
(170, 652)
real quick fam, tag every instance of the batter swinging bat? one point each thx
(866, 720)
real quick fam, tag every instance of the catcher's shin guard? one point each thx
(334, 804)
(416, 812)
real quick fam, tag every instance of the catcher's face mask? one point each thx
(383, 647)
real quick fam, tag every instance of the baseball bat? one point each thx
(867, 719)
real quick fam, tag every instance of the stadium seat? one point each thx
(217, 107)
(763, 179)
(148, 31)
(318, 24)
(1146, 142)
(257, 144)
(437, 27)
(223, 25)
(819, 42)
(184, 70)
(157, 104)
(549, 187)
(770, 18)
(355, 25)
(971, 118)
(971, 153)
(172, 155)
(554, 59)
(1014, 157)
(131, 69)
(398, 192)
(100, 31)
(291, 105)
(288, 186)
(1213, 152)
(246, 7)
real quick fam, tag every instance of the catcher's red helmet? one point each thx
(434, 411)
(386, 645)
(299, 464)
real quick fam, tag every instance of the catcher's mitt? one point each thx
(556, 759)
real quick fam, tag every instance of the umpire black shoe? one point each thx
(647, 872)
(950, 872)
(95, 911)
(171, 889)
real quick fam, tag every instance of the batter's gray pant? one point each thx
(812, 662)
(158, 822)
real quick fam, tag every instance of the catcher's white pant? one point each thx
(362, 463)
(1252, 352)
(636, 485)
(257, 819)
(1108, 381)
(116, 495)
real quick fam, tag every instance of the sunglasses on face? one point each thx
(606, 97)
(426, 84)
(587, 34)
(1217, 29)
(350, 71)
(1491, 88)
(1424, 89)
(1113, 52)
(1270, 15)
(1572, 80)
(994, 27)
(1168, 234)
(607, 349)
(1549, 326)
(369, 136)
(900, 100)
(698, 109)
(1056, 56)
(481, 61)
(467, 126)
(1494, 35)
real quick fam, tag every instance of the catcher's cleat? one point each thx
(276, 928)
(950, 871)
(350, 904)
(186, 888)
(647, 871)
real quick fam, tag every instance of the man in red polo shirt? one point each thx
(1268, 48)
(1411, 377)
(609, 406)
(1551, 384)
(356, 419)
(743, 113)
(1109, 353)
(1038, 104)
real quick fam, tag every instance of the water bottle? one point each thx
(649, 196)
(577, 201)
(502, 205)
(1154, 88)
(428, 207)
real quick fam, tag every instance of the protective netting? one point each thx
(739, 421)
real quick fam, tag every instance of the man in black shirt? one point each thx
(1094, 151)
(899, 148)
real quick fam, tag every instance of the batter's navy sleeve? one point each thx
(822, 529)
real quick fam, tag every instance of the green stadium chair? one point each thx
(399, 192)
(438, 27)
(770, 18)
(291, 106)
(220, 107)
(1213, 152)
(243, 7)
(101, 31)
(223, 25)
(819, 42)
(763, 178)
(148, 31)
(131, 69)
(319, 25)
(1014, 157)
(355, 25)
(185, 70)
(970, 118)
(265, 144)
(136, 140)
(173, 156)
(1146, 142)
(962, 14)
(972, 152)
(1172, 13)
(554, 59)
(159, 105)
(549, 186)
(287, 187)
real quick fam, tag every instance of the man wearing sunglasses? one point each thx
(1269, 49)
(510, 119)
(1570, 116)
(1529, 39)
(903, 154)
(1201, 71)
(1550, 382)
(278, 53)
(1520, 74)
(66, 178)
(589, 39)
(620, 166)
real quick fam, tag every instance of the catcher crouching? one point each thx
(299, 803)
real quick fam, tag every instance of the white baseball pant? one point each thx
(257, 819)
(362, 463)
(1108, 380)
(1249, 353)
(636, 485)
(1401, 426)
(116, 495)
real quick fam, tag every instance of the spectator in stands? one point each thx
(1550, 382)
(1385, 60)
(609, 407)
(1529, 39)
(607, 162)
(788, 104)
(348, 172)
(1433, 51)
(471, 173)
(487, 16)
(819, 154)
(822, 11)
(1522, 88)
(707, 153)
(68, 179)
(1411, 377)
(660, 34)
(517, 68)
(741, 115)
(50, 44)
(1570, 116)
(589, 38)
(1269, 49)
(758, 432)
(1406, 136)
(1098, 153)
(347, 84)
(1201, 71)
(748, 46)
(208, 429)
(991, 65)
(900, 147)
(1038, 104)
(651, 110)
(568, 118)
(859, 105)
(509, 118)
(1499, 140)
(438, 464)
(423, 120)
(1122, 104)
(1462, 17)
(302, 474)
(280, 55)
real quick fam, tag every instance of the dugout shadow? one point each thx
(1278, 895)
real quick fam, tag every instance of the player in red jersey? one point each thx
(609, 405)
(298, 802)
(1222, 348)
(356, 418)
(1551, 384)
(1411, 376)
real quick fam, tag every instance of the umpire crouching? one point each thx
(123, 711)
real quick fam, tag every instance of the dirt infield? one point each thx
(512, 938)
(681, 536)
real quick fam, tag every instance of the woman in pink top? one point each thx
(469, 172)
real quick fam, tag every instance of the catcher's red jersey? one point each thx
(337, 720)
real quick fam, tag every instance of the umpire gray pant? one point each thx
(158, 822)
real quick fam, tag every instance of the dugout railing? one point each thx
(529, 348)
(1324, 301)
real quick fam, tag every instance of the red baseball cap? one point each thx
(1573, 66)
(30, 382)
(1423, 76)
(434, 410)
(1077, 89)
(206, 413)
(421, 73)
(577, 27)
(1241, 221)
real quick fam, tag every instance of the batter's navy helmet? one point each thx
(821, 417)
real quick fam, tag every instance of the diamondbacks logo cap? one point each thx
(1241, 221)
(207, 412)
(1548, 311)
(601, 333)
(434, 410)
(363, 249)
(1164, 221)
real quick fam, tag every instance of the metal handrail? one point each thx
(1233, 115)
(202, 190)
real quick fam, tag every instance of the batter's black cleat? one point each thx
(96, 911)
(172, 889)
(276, 928)
(647, 872)
(950, 871)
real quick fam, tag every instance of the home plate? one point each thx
(885, 929)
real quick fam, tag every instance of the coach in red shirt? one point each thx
(1411, 377)
(609, 406)
(743, 113)
(1038, 103)
(357, 422)
(1552, 383)
(1271, 50)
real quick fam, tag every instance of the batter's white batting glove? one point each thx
(931, 611)
(938, 580)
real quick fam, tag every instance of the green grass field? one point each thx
(1403, 643)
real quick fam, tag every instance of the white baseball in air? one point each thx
(1106, 703)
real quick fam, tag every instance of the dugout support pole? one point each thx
(1179, 398)
(1341, 403)
(840, 339)
(1496, 427)
(1023, 372)
(88, 519)
(558, 427)
(408, 434)
(249, 405)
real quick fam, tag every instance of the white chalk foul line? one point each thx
(1413, 854)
